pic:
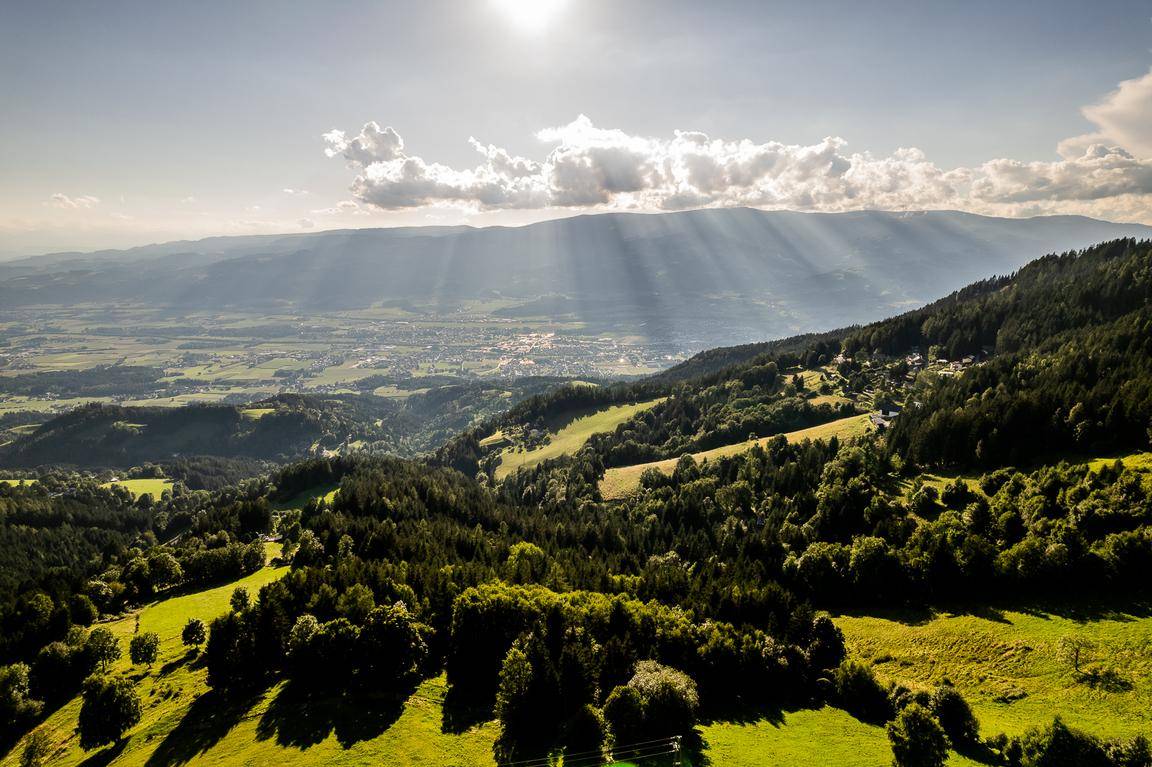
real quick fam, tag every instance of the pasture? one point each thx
(168, 690)
(570, 437)
(139, 487)
(623, 480)
(1010, 666)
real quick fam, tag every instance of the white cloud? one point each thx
(590, 167)
(306, 223)
(61, 200)
(295, 192)
(1123, 117)
(597, 168)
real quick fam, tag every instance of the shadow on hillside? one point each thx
(980, 753)
(460, 715)
(210, 717)
(1086, 610)
(738, 713)
(172, 665)
(301, 718)
(920, 616)
(105, 756)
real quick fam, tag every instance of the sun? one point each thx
(530, 15)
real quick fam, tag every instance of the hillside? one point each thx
(808, 585)
(989, 366)
(281, 428)
(698, 279)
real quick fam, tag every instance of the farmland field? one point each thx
(620, 481)
(243, 357)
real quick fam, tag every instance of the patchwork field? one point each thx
(1009, 664)
(571, 437)
(243, 357)
(620, 481)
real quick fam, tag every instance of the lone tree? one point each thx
(240, 600)
(144, 648)
(1075, 650)
(194, 633)
(110, 708)
(917, 738)
(102, 648)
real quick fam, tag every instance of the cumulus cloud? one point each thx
(61, 200)
(1123, 117)
(586, 166)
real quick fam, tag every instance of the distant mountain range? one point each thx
(697, 278)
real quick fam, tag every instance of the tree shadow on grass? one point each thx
(980, 753)
(210, 717)
(923, 615)
(461, 714)
(105, 756)
(301, 718)
(736, 712)
(172, 665)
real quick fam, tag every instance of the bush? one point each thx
(859, 693)
(669, 696)
(917, 738)
(1061, 746)
(955, 716)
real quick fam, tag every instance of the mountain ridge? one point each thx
(695, 278)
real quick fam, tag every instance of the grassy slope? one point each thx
(167, 690)
(571, 437)
(623, 480)
(801, 738)
(997, 657)
(139, 487)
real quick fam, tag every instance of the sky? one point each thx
(125, 122)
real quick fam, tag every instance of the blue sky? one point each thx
(130, 122)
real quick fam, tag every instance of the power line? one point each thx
(645, 749)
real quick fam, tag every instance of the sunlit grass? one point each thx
(1009, 666)
(571, 437)
(620, 481)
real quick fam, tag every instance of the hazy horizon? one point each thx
(507, 112)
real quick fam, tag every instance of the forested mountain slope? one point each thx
(1058, 360)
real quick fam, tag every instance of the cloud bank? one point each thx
(1108, 172)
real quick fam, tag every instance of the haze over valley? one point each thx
(541, 383)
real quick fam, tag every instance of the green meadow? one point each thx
(1010, 667)
(570, 437)
(623, 480)
(139, 487)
